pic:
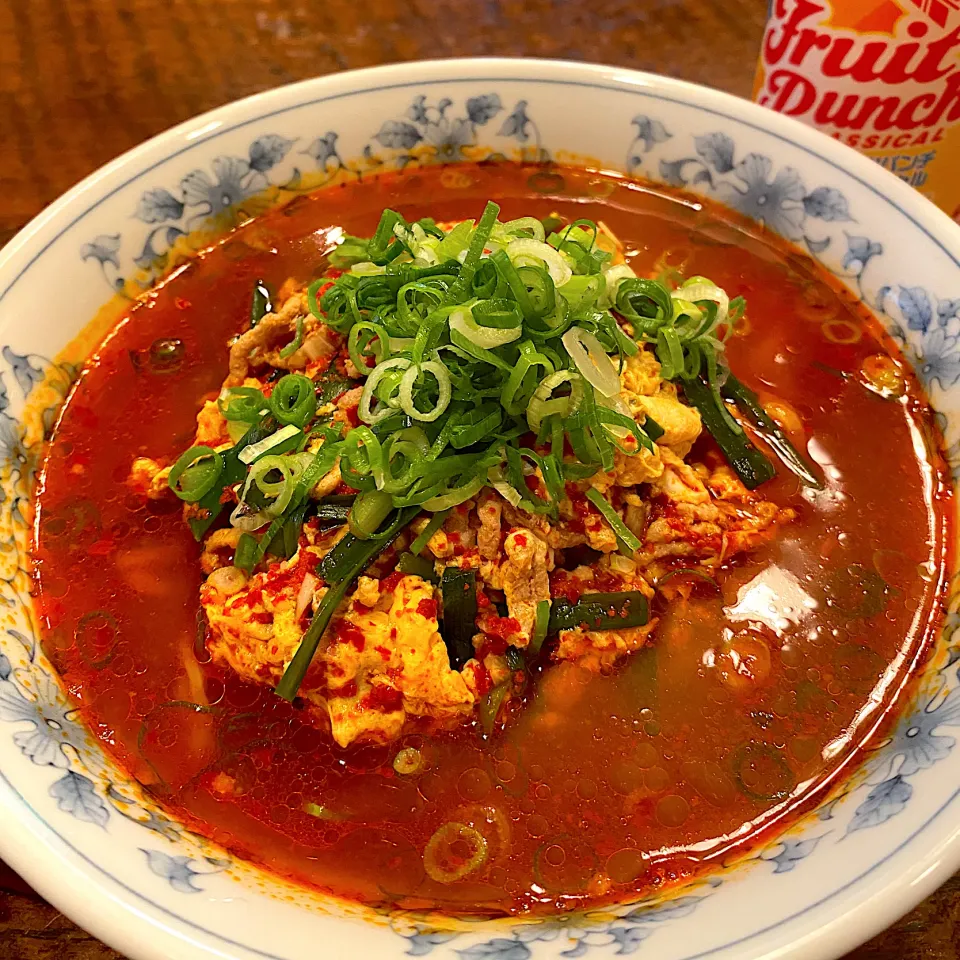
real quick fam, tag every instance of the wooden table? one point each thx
(83, 80)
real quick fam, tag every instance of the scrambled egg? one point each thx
(390, 662)
(384, 662)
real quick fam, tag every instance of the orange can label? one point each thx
(882, 76)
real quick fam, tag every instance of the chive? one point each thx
(600, 611)
(292, 526)
(260, 305)
(353, 561)
(628, 541)
(244, 555)
(338, 563)
(749, 463)
(689, 572)
(416, 566)
(458, 590)
(334, 510)
(423, 538)
(792, 459)
(294, 345)
(652, 429)
(541, 626)
(490, 707)
(514, 658)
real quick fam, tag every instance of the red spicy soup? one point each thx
(766, 683)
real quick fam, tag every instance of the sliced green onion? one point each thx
(366, 413)
(485, 337)
(530, 225)
(365, 454)
(499, 314)
(254, 450)
(456, 241)
(479, 345)
(279, 491)
(646, 304)
(540, 406)
(472, 350)
(443, 859)
(595, 366)
(522, 382)
(294, 400)
(496, 479)
(454, 496)
(368, 513)
(458, 292)
(518, 478)
(195, 473)
(247, 404)
(475, 425)
(534, 250)
(699, 288)
(211, 505)
(409, 381)
(364, 337)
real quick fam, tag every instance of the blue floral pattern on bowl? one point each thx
(238, 188)
(165, 222)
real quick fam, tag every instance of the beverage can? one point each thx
(882, 76)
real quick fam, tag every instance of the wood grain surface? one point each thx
(83, 80)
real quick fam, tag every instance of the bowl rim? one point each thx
(58, 874)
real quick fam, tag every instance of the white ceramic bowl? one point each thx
(81, 832)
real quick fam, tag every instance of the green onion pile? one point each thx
(489, 354)
(476, 340)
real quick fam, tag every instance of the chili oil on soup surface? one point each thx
(592, 788)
